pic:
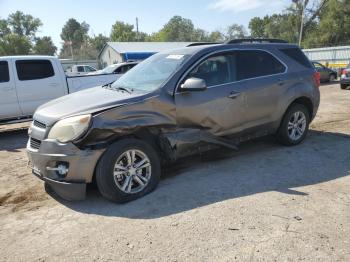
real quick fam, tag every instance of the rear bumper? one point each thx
(80, 166)
(344, 80)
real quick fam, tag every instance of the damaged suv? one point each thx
(172, 105)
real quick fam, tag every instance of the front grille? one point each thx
(39, 124)
(35, 143)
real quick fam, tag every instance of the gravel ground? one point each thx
(265, 202)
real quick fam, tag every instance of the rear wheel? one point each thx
(129, 169)
(294, 126)
(343, 86)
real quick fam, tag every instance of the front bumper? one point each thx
(80, 166)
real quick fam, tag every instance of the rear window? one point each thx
(251, 64)
(34, 69)
(4, 72)
(297, 55)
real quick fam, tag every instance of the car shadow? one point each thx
(13, 140)
(258, 166)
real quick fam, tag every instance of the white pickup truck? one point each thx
(26, 82)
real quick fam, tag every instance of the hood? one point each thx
(83, 102)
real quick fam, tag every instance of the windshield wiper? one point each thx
(123, 89)
(109, 85)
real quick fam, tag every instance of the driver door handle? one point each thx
(234, 94)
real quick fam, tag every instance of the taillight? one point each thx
(317, 78)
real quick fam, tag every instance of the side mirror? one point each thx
(194, 84)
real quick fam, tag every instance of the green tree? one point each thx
(177, 29)
(14, 44)
(23, 25)
(17, 34)
(75, 39)
(235, 31)
(123, 32)
(216, 36)
(44, 46)
(333, 28)
(257, 27)
(75, 33)
(4, 29)
(98, 41)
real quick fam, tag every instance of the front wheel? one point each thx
(294, 126)
(129, 169)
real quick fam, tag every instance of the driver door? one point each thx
(220, 107)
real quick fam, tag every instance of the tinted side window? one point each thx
(297, 55)
(4, 72)
(34, 69)
(89, 69)
(215, 70)
(252, 64)
(80, 69)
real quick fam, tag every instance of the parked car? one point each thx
(77, 70)
(119, 69)
(172, 105)
(327, 74)
(27, 82)
(345, 77)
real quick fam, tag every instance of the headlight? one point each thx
(70, 128)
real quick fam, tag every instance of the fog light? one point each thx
(61, 169)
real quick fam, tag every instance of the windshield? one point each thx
(151, 73)
(109, 69)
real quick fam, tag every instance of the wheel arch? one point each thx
(145, 134)
(305, 101)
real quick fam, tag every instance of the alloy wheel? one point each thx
(296, 125)
(132, 171)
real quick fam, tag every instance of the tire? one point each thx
(111, 179)
(285, 131)
(343, 86)
(332, 77)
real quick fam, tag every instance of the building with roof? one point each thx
(117, 52)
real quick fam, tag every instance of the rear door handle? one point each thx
(234, 94)
(53, 84)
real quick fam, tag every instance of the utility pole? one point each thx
(137, 29)
(302, 22)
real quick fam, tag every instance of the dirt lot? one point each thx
(265, 202)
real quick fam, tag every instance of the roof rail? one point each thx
(203, 43)
(256, 40)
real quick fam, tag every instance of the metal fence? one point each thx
(332, 56)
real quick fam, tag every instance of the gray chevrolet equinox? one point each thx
(173, 104)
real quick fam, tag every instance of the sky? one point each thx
(152, 14)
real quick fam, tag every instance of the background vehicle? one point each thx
(27, 82)
(118, 69)
(77, 70)
(172, 105)
(327, 74)
(345, 77)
